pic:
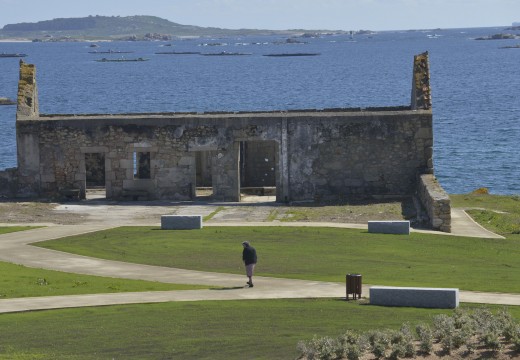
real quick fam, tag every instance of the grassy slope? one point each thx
(500, 214)
(20, 281)
(193, 330)
(317, 254)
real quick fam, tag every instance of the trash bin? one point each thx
(353, 282)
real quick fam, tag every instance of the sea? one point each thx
(475, 96)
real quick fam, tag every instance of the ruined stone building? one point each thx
(331, 154)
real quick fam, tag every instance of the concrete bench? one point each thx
(437, 298)
(181, 222)
(389, 227)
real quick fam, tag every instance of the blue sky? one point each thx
(281, 14)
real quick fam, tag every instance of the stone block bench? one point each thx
(389, 227)
(181, 222)
(438, 298)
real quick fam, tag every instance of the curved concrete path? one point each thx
(15, 248)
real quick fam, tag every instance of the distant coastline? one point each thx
(129, 28)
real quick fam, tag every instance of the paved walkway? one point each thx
(15, 248)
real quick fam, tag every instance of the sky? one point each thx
(281, 14)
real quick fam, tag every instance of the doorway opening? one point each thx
(204, 175)
(258, 171)
(95, 176)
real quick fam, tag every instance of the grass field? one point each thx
(10, 229)
(252, 329)
(324, 254)
(263, 329)
(20, 281)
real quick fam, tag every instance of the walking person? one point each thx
(249, 258)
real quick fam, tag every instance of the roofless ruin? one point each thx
(317, 155)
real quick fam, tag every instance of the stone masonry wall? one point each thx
(375, 153)
(27, 104)
(8, 183)
(436, 201)
(368, 153)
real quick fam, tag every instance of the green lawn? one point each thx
(498, 213)
(260, 329)
(247, 329)
(20, 281)
(325, 254)
(10, 229)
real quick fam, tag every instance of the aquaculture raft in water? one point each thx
(292, 54)
(6, 101)
(178, 53)
(225, 53)
(110, 52)
(5, 55)
(121, 60)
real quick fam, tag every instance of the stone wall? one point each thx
(359, 154)
(8, 183)
(421, 90)
(27, 104)
(436, 202)
(368, 152)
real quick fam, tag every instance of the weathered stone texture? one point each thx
(436, 202)
(421, 90)
(27, 103)
(9, 183)
(331, 155)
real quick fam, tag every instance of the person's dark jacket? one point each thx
(249, 255)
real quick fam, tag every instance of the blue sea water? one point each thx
(476, 105)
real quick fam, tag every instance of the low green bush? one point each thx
(492, 332)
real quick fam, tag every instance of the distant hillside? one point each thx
(116, 27)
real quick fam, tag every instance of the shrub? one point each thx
(480, 191)
(425, 338)
(452, 333)
(324, 348)
(379, 342)
(491, 340)
(443, 328)
(516, 343)
(510, 328)
(352, 345)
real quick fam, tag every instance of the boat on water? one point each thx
(293, 54)
(121, 60)
(17, 55)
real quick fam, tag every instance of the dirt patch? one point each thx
(144, 212)
(36, 212)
